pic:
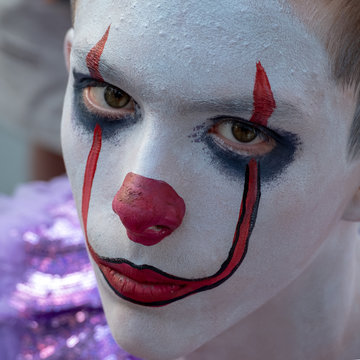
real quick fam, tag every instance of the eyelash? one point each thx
(83, 85)
(262, 144)
(229, 162)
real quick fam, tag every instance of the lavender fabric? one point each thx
(49, 305)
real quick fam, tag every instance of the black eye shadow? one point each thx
(87, 120)
(272, 164)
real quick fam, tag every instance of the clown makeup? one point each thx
(151, 210)
(147, 223)
(189, 132)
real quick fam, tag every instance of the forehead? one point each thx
(187, 46)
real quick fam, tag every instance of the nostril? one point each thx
(149, 209)
(157, 228)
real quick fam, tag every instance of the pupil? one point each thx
(115, 98)
(243, 133)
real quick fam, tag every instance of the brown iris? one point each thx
(243, 133)
(116, 98)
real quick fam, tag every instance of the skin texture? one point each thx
(149, 286)
(300, 267)
(149, 209)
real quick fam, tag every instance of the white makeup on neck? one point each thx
(173, 161)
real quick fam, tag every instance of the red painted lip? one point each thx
(147, 285)
(141, 286)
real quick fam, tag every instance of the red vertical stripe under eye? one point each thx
(264, 105)
(89, 175)
(92, 62)
(264, 102)
(93, 57)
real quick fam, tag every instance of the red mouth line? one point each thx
(147, 285)
(163, 277)
(168, 288)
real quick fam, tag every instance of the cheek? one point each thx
(212, 201)
(296, 216)
(74, 148)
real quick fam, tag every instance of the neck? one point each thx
(313, 317)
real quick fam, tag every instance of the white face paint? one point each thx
(189, 66)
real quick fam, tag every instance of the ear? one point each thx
(68, 41)
(352, 211)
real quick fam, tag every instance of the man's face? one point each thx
(228, 134)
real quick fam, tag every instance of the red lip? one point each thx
(140, 286)
(144, 285)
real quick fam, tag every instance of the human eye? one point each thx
(241, 137)
(231, 141)
(101, 100)
(108, 100)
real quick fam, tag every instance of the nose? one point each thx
(149, 209)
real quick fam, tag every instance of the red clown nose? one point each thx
(149, 209)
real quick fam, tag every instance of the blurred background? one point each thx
(32, 85)
(13, 160)
(49, 305)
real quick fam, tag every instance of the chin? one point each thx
(179, 328)
(147, 350)
(155, 333)
(147, 334)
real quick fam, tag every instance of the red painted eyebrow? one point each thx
(93, 57)
(264, 102)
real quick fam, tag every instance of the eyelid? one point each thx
(264, 144)
(249, 125)
(82, 81)
(83, 84)
(273, 132)
(260, 130)
(222, 118)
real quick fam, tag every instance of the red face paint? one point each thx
(147, 285)
(93, 57)
(92, 62)
(90, 170)
(149, 209)
(150, 286)
(264, 102)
